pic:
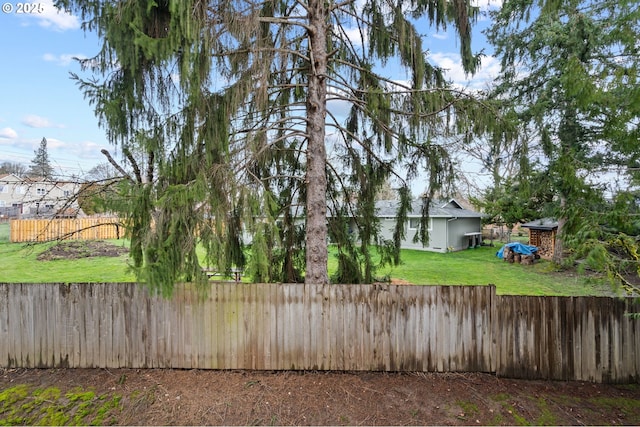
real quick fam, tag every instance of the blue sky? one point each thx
(38, 97)
(40, 100)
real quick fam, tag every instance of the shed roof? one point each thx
(542, 224)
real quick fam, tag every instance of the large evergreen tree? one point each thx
(562, 63)
(41, 165)
(570, 69)
(230, 101)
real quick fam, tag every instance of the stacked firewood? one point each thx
(544, 240)
(512, 257)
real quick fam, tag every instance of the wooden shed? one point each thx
(542, 233)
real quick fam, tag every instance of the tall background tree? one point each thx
(569, 70)
(41, 165)
(230, 100)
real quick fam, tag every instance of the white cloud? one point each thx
(89, 150)
(339, 108)
(63, 59)
(52, 144)
(38, 122)
(48, 16)
(440, 36)
(451, 63)
(8, 133)
(85, 150)
(354, 35)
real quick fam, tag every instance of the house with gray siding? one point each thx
(451, 226)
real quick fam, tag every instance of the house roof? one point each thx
(34, 180)
(6, 177)
(541, 224)
(439, 209)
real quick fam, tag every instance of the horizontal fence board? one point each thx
(43, 230)
(315, 327)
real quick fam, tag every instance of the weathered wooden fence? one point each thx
(310, 327)
(42, 230)
(567, 338)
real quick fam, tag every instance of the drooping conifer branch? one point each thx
(231, 100)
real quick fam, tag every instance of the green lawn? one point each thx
(18, 263)
(4, 232)
(481, 266)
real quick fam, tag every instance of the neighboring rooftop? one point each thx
(439, 209)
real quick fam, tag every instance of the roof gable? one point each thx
(9, 177)
(452, 204)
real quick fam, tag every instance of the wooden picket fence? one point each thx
(44, 230)
(320, 327)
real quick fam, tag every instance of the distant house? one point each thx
(451, 226)
(10, 206)
(36, 197)
(542, 233)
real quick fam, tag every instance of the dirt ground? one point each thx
(76, 249)
(196, 397)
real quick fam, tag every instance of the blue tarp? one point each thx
(519, 248)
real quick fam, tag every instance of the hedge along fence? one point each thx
(315, 327)
(43, 230)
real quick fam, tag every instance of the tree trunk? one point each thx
(316, 180)
(558, 247)
(289, 274)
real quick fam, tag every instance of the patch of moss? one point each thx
(520, 420)
(500, 397)
(344, 420)
(53, 415)
(497, 420)
(627, 406)
(504, 398)
(79, 395)
(47, 394)
(10, 405)
(20, 405)
(82, 412)
(468, 408)
(12, 395)
(546, 418)
(105, 409)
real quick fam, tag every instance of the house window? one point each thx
(41, 191)
(4, 188)
(414, 223)
(67, 193)
(2, 203)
